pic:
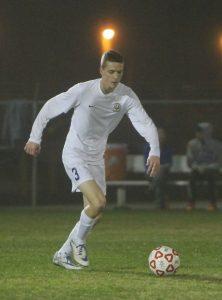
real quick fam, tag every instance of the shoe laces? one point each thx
(81, 249)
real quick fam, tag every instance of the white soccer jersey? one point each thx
(95, 116)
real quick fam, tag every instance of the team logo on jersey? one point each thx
(116, 107)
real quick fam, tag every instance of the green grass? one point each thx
(118, 250)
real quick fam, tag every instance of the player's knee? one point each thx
(100, 202)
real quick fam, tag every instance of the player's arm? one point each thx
(57, 105)
(146, 128)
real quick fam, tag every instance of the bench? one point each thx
(121, 188)
(135, 165)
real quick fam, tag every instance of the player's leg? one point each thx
(86, 203)
(96, 202)
(63, 257)
(66, 247)
(94, 194)
(75, 176)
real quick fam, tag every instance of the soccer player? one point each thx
(99, 105)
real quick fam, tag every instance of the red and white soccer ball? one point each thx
(164, 261)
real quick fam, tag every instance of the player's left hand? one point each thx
(153, 163)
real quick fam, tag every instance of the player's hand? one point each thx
(32, 148)
(153, 163)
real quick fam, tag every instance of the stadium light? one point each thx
(108, 34)
(107, 39)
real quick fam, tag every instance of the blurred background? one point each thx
(173, 54)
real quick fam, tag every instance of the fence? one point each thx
(28, 181)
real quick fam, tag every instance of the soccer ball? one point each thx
(164, 261)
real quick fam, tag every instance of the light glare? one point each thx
(108, 34)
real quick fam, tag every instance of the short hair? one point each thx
(112, 56)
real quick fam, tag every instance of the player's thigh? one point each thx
(93, 193)
(98, 173)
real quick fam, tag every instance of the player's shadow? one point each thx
(122, 271)
(188, 277)
(211, 279)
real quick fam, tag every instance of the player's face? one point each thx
(111, 73)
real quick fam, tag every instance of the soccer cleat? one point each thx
(79, 253)
(63, 260)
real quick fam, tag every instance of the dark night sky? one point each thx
(171, 47)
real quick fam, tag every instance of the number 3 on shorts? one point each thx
(75, 173)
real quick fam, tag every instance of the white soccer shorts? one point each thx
(80, 171)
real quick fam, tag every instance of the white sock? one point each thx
(85, 225)
(66, 247)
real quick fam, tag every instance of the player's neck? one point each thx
(104, 89)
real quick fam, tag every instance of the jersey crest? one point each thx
(116, 107)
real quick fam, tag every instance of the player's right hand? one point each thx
(32, 148)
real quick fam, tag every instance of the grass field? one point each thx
(118, 250)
